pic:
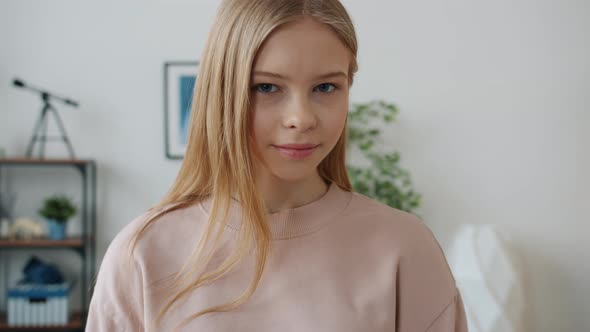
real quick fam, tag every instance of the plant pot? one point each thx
(57, 230)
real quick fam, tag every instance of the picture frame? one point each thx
(179, 81)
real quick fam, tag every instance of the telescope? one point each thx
(40, 131)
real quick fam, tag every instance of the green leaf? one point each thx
(58, 207)
(383, 179)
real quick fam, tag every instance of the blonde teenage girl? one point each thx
(261, 230)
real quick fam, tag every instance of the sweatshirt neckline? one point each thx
(297, 221)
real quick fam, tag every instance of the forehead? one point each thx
(302, 48)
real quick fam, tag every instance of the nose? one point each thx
(300, 114)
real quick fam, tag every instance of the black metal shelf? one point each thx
(70, 242)
(84, 244)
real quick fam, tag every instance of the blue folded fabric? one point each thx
(38, 272)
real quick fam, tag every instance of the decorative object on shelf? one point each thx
(38, 272)
(383, 179)
(7, 201)
(40, 298)
(27, 229)
(39, 305)
(57, 210)
(4, 227)
(40, 131)
(486, 272)
(179, 82)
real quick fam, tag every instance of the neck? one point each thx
(296, 221)
(279, 194)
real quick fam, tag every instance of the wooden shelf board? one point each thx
(46, 161)
(74, 323)
(66, 243)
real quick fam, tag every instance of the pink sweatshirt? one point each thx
(344, 262)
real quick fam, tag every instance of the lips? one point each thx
(297, 146)
(296, 151)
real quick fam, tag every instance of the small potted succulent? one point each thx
(57, 210)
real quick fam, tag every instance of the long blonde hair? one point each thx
(218, 161)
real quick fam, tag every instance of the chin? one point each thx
(294, 174)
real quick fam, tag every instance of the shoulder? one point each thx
(124, 275)
(117, 297)
(414, 240)
(117, 262)
(367, 207)
(156, 235)
(162, 244)
(424, 281)
(403, 229)
(117, 294)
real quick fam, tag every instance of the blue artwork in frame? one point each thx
(179, 83)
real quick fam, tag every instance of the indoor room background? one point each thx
(493, 121)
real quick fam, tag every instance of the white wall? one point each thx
(493, 125)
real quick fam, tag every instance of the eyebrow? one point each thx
(322, 76)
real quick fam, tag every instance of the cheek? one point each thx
(333, 123)
(261, 128)
(255, 139)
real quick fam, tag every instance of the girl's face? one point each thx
(299, 95)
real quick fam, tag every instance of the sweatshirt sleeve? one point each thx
(452, 319)
(117, 299)
(428, 299)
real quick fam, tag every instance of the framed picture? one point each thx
(179, 82)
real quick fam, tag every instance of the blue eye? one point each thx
(264, 87)
(324, 85)
(267, 87)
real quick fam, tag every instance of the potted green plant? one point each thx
(57, 210)
(381, 177)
